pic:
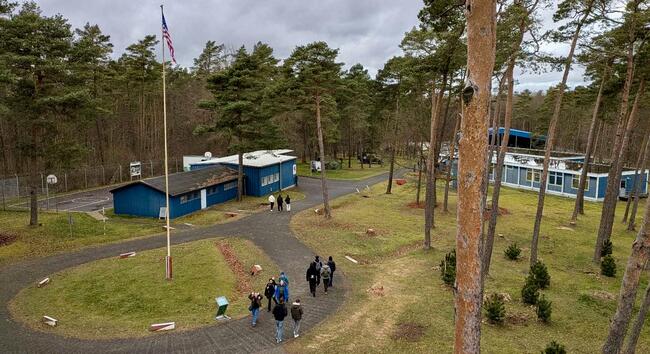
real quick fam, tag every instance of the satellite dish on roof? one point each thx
(208, 155)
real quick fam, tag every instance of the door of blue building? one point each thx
(204, 199)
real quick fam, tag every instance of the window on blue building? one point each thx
(190, 196)
(575, 182)
(533, 175)
(555, 178)
(230, 185)
(212, 190)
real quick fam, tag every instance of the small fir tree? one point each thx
(513, 251)
(554, 348)
(530, 291)
(607, 248)
(448, 268)
(540, 275)
(608, 266)
(544, 309)
(495, 309)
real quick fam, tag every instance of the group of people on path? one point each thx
(318, 271)
(278, 293)
(280, 202)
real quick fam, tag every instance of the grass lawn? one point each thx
(399, 304)
(217, 213)
(353, 173)
(54, 233)
(114, 297)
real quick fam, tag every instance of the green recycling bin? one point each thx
(222, 305)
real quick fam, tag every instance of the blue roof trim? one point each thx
(519, 133)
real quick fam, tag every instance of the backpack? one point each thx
(318, 265)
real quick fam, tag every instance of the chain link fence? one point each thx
(14, 189)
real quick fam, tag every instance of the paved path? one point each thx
(269, 230)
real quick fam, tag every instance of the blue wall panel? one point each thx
(138, 200)
(602, 186)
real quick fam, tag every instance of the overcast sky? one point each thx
(365, 31)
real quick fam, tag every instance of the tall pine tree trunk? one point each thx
(419, 185)
(629, 286)
(614, 176)
(321, 148)
(580, 196)
(389, 188)
(633, 337)
(498, 169)
(550, 142)
(240, 176)
(452, 151)
(481, 40)
(430, 180)
(646, 155)
(637, 177)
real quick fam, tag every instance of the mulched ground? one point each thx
(502, 211)
(414, 205)
(410, 332)
(243, 282)
(6, 238)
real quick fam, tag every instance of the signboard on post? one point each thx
(135, 169)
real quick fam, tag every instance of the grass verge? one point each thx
(353, 173)
(117, 298)
(398, 303)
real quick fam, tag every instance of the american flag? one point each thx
(168, 38)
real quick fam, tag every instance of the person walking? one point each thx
(332, 265)
(287, 201)
(282, 291)
(280, 202)
(325, 275)
(283, 277)
(269, 292)
(311, 277)
(319, 265)
(296, 315)
(279, 313)
(271, 201)
(254, 308)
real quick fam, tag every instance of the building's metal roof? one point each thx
(260, 158)
(184, 182)
(519, 133)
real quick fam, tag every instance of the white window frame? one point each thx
(555, 175)
(575, 182)
(536, 175)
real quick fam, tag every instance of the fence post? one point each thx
(86, 177)
(103, 176)
(176, 162)
(151, 164)
(17, 187)
(65, 180)
(42, 184)
(120, 173)
(4, 207)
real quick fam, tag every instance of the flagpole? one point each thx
(168, 259)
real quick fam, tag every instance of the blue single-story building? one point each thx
(519, 138)
(523, 170)
(188, 192)
(266, 171)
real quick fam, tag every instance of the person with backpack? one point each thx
(280, 201)
(287, 201)
(296, 315)
(256, 303)
(269, 292)
(283, 277)
(279, 313)
(332, 265)
(311, 277)
(319, 265)
(282, 291)
(271, 201)
(325, 274)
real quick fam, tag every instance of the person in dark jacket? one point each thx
(319, 265)
(279, 313)
(287, 201)
(269, 292)
(332, 265)
(296, 315)
(280, 201)
(256, 303)
(312, 278)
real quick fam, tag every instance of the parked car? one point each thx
(367, 158)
